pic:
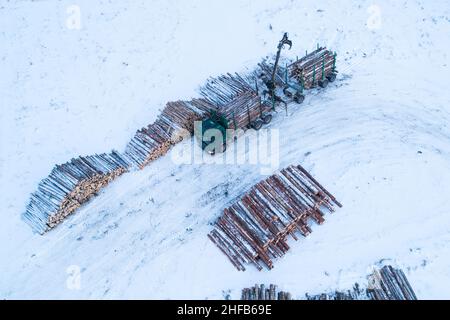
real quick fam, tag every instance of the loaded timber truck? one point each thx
(236, 104)
(245, 111)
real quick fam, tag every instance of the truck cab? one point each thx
(208, 130)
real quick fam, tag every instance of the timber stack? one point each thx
(175, 121)
(224, 89)
(390, 284)
(261, 292)
(245, 106)
(386, 283)
(69, 186)
(254, 229)
(314, 69)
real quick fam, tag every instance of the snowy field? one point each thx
(80, 77)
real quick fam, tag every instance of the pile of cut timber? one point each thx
(390, 284)
(245, 107)
(70, 185)
(309, 69)
(153, 141)
(260, 292)
(254, 229)
(386, 283)
(225, 88)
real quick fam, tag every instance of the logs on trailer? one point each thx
(261, 292)
(225, 88)
(313, 68)
(386, 283)
(243, 109)
(69, 186)
(155, 140)
(254, 229)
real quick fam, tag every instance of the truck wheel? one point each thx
(257, 124)
(267, 118)
(299, 98)
(287, 93)
(323, 83)
(331, 77)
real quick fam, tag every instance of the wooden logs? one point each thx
(254, 229)
(390, 284)
(69, 186)
(260, 292)
(243, 110)
(225, 88)
(309, 69)
(153, 141)
(386, 283)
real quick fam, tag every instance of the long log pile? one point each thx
(260, 292)
(69, 186)
(155, 140)
(254, 229)
(308, 70)
(386, 283)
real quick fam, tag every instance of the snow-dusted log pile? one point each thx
(224, 89)
(314, 68)
(260, 292)
(70, 185)
(254, 229)
(176, 119)
(390, 284)
(386, 283)
(245, 108)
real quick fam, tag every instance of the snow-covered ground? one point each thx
(378, 138)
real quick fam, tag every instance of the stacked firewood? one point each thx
(175, 120)
(313, 67)
(225, 88)
(386, 283)
(254, 229)
(69, 186)
(260, 292)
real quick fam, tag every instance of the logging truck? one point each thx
(237, 104)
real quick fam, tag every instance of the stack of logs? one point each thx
(70, 185)
(260, 292)
(254, 229)
(175, 121)
(386, 283)
(244, 108)
(390, 284)
(224, 89)
(308, 70)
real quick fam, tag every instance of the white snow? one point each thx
(67, 92)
